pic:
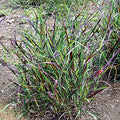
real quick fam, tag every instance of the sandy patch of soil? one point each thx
(107, 104)
(8, 113)
(7, 30)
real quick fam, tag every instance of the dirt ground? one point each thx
(107, 103)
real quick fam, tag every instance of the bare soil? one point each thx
(107, 103)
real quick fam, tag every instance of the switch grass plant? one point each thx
(55, 66)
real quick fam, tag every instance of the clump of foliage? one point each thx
(55, 67)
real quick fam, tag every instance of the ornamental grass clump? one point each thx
(54, 66)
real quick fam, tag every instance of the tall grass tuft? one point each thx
(55, 67)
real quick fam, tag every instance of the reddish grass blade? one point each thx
(35, 79)
(53, 64)
(94, 93)
(96, 6)
(3, 62)
(66, 34)
(96, 74)
(72, 64)
(32, 89)
(85, 29)
(41, 74)
(84, 69)
(4, 47)
(91, 56)
(109, 20)
(78, 15)
(54, 67)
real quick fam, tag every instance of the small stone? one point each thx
(10, 21)
(112, 106)
(2, 15)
